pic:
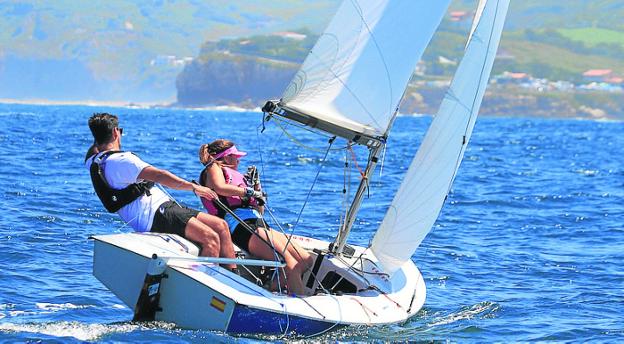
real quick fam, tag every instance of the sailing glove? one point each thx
(258, 195)
(249, 192)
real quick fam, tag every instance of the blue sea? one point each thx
(529, 246)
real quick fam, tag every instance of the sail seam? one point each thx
(383, 61)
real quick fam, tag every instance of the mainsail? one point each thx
(429, 178)
(352, 81)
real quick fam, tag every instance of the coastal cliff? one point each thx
(228, 79)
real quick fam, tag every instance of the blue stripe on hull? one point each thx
(246, 320)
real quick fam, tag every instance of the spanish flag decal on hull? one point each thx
(218, 304)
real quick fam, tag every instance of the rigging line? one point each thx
(351, 267)
(300, 126)
(171, 237)
(276, 275)
(258, 280)
(383, 293)
(173, 252)
(362, 271)
(287, 320)
(336, 323)
(272, 150)
(365, 308)
(346, 190)
(409, 309)
(127, 223)
(383, 60)
(296, 250)
(383, 160)
(474, 99)
(217, 269)
(258, 150)
(331, 141)
(277, 222)
(292, 138)
(247, 227)
(354, 157)
(167, 193)
(309, 305)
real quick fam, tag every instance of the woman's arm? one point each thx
(214, 179)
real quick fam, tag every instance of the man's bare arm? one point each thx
(170, 180)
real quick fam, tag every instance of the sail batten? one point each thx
(356, 74)
(422, 193)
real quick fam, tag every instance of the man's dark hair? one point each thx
(102, 126)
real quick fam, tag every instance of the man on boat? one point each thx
(124, 183)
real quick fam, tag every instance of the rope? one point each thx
(354, 158)
(267, 208)
(346, 190)
(331, 141)
(297, 142)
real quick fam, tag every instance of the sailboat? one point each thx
(350, 86)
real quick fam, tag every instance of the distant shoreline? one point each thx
(81, 102)
(240, 108)
(129, 105)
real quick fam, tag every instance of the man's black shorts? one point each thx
(172, 218)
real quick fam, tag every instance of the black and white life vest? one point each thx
(115, 199)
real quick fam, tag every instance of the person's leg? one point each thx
(294, 267)
(220, 227)
(302, 256)
(176, 219)
(197, 231)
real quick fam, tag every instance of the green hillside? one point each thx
(527, 50)
(133, 50)
(593, 37)
(557, 14)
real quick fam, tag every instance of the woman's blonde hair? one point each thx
(208, 150)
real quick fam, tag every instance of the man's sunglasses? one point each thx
(120, 130)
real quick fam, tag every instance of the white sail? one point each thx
(428, 180)
(355, 75)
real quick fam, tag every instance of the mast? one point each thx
(343, 234)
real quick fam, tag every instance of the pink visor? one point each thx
(230, 151)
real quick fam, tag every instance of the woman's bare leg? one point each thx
(298, 252)
(294, 267)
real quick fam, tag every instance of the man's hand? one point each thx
(204, 192)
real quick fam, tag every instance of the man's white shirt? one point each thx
(121, 170)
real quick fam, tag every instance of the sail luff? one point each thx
(423, 191)
(477, 19)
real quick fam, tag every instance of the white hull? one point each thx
(198, 295)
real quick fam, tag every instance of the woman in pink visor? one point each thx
(237, 192)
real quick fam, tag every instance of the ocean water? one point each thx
(529, 246)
